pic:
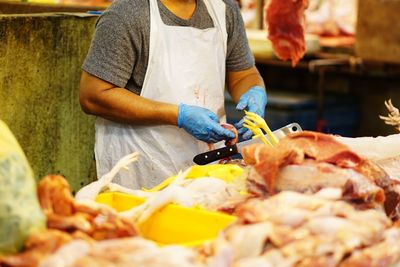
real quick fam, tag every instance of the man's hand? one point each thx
(203, 124)
(254, 100)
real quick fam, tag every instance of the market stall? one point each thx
(309, 200)
(290, 196)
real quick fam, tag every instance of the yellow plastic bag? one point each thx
(20, 212)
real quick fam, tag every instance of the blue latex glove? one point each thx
(254, 100)
(202, 124)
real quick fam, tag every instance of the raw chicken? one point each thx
(90, 191)
(294, 149)
(385, 253)
(383, 150)
(232, 129)
(67, 254)
(207, 192)
(67, 220)
(293, 229)
(373, 148)
(321, 175)
(38, 246)
(122, 253)
(321, 158)
(285, 20)
(63, 213)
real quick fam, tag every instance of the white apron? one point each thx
(186, 65)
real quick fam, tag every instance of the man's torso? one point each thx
(136, 17)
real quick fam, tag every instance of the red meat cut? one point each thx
(285, 20)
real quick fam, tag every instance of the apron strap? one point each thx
(217, 11)
(155, 22)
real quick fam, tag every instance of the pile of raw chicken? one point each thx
(312, 200)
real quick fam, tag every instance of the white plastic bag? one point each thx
(20, 212)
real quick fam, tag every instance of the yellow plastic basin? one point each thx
(172, 224)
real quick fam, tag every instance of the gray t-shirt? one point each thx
(120, 47)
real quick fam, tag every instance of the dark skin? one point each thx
(100, 98)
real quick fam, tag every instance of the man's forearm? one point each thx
(240, 82)
(121, 105)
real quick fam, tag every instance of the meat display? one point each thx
(308, 161)
(285, 21)
(64, 214)
(297, 149)
(293, 229)
(67, 220)
(122, 252)
(208, 192)
(38, 247)
(384, 253)
(322, 175)
(311, 200)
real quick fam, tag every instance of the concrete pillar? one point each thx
(40, 65)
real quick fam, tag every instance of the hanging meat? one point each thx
(285, 21)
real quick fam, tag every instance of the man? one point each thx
(155, 77)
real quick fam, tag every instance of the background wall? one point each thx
(40, 65)
(17, 7)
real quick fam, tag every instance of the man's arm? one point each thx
(247, 89)
(100, 98)
(103, 99)
(240, 82)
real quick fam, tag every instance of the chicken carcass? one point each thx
(122, 253)
(231, 128)
(206, 192)
(67, 220)
(384, 253)
(321, 175)
(64, 213)
(38, 246)
(293, 229)
(382, 150)
(285, 20)
(90, 191)
(324, 162)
